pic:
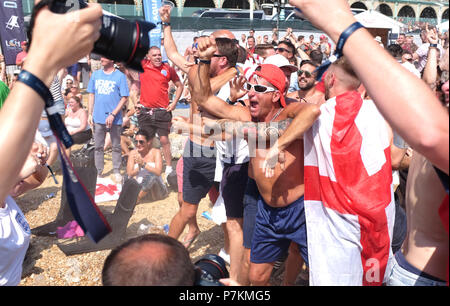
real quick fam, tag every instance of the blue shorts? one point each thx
(233, 185)
(251, 197)
(198, 171)
(275, 228)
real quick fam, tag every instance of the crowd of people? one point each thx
(323, 173)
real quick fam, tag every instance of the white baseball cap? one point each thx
(280, 61)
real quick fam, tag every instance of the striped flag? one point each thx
(349, 200)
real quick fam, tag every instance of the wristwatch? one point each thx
(433, 46)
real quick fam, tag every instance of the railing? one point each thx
(182, 20)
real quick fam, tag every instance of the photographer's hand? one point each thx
(59, 40)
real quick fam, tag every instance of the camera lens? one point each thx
(120, 40)
(213, 265)
(124, 41)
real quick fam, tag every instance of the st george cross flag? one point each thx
(349, 200)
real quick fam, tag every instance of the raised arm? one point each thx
(169, 43)
(430, 70)
(386, 82)
(58, 40)
(201, 90)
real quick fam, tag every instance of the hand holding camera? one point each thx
(72, 36)
(120, 40)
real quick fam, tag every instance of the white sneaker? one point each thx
(224, 255)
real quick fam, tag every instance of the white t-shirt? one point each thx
(422, 52)
(227, 149)
(15, 236)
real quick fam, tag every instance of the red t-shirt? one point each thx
(155, 84)
(20, 57)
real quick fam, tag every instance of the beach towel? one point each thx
(107, 190)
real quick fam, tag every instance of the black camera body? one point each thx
(120, 40)
(209, 269)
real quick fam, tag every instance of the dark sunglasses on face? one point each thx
(218, 55)
(283, 50)
(141, 142)
(258, 88)
(307, 73)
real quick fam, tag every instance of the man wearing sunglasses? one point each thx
(287, 49)
(307, 84)
(282, 195)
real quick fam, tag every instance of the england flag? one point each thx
(349, 200)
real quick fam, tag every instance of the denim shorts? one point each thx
(404, 274)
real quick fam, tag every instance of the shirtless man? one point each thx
(282, 194)
(423, 259)
(225, 71)
(144, 163)
(307, 84)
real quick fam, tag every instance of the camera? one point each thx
(120, 40)
(209, 269)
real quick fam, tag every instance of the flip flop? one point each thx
(188, 243)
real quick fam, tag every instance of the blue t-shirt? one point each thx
(108, 90)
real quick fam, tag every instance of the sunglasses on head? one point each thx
(258, 88)
(283, 50)
(307, 73)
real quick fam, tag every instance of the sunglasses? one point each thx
(141, 142)
(258, 88)
(218, 55)
(282, 50)
(307, 73)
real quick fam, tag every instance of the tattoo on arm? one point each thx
(263, 131)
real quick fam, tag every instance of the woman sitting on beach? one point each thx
(145, 163)
(77, 122)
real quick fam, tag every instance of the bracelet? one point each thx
(112, 115)
(433, 46)
(344, 36)
(164, 23)
(37, 85)
(207, 62)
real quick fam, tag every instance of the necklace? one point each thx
(276, 115)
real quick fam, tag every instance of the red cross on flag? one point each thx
(349, 200)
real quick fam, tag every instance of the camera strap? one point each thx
(81, 203)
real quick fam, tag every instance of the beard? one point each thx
(308, 86)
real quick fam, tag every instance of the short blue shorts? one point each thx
(275, 228)
(251, 196)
